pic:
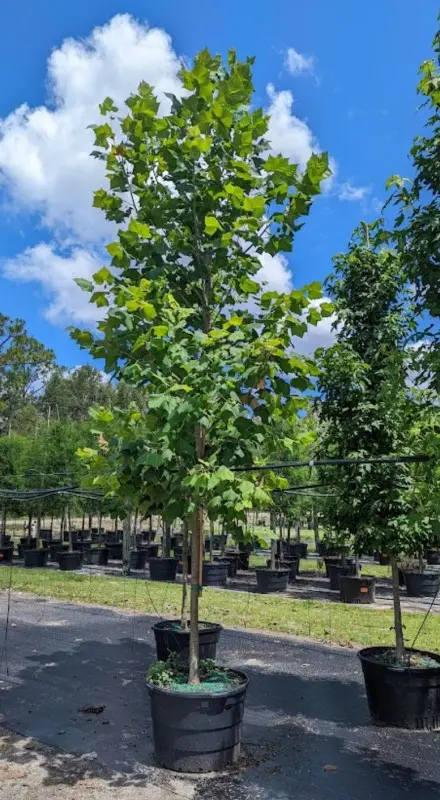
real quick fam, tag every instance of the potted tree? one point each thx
(366, 411)
(199, 202)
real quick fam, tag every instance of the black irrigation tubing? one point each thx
(333, 462)
(303, 486)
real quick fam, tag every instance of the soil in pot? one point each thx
(433, 557)
(272, 580)
(70, 561)
(138, 559)
(170, 638)
(6, 553)
(163, 569)
(198, 728)
(35, 558)
(402, 696)
(336, 570)
(422, 584)
(357, 590)
(96, 555)
(215, 573)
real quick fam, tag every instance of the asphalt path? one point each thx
(307, 732)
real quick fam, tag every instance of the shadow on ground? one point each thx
(307, 732)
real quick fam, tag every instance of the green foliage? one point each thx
(417, 227)
(25, 365)
(365, 409)
(199, 201)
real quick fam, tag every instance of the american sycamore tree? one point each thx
(199, 201)
(365, 406)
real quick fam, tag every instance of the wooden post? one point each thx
(398, 627)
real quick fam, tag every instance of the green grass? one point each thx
(332, 622)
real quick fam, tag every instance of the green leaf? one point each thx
(107, 105)
(248, 286)
(212, 225)
(160, 331)
(100, 299)
(140, 228)
(84, 284)
(103, 276)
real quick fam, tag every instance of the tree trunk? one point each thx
(51, 526)
(196, 574)
(38, 527)
(184, 610)
(211, 540)
(83, 521)
(273, 553)
(298, 532)
(289, 528)
(116, 525)
(357, 565)
(398, 627)
(29, 526)
(316, 530)
(126, 533)
(166, 540)
(223, 540)
(90, 522)
(69, 522)
(3, 531)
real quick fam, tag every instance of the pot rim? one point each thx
(272, 571)
(152, 688)
(160, 626)
(363, 655)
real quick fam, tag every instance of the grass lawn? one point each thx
(331, 622)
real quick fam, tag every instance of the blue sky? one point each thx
(352, 84)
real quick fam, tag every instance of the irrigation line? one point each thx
(334, 462)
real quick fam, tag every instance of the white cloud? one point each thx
(55, 274)
(321, 335)
(275, 272)
(46, 169)
(45, 152)
(288, 134)
(352, 193)
(297, 64)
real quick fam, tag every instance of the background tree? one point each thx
(365, 408)
(199, 201)
(25, 365)
(417, 226)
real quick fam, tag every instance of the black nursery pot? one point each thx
(422, 584)
(114, 551)
(163, 569)
(243, 560)
(215, 573)
(402, 698)
(170, 638)
(138, 559)
(96, 556)
(231, 562)
(292, 564)
(55, 548)
(335, 571)
(272, 580)
(70, 561)
(357, 590)
(197, 731)
(180, 564)
(6, 554)
(35, 558)
(433, 557)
